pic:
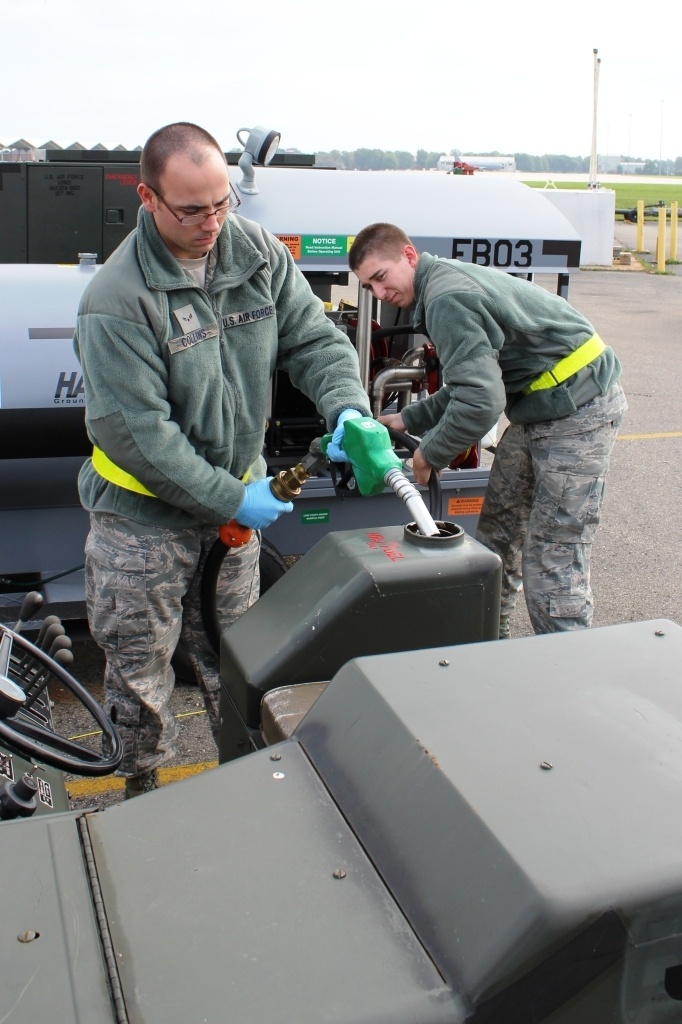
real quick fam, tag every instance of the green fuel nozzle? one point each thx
(367, 443)
(368, 446)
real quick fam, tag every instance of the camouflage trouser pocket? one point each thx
(567, 507)
(116, 597)
(136, 577)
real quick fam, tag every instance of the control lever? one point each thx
(54, 630)
(29, 606)
(23, 664)
(60, 651)
(49, 620)
(32, 603)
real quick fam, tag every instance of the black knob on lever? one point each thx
(18, 799)
(54, 630)
(29, 606)
(49, 620)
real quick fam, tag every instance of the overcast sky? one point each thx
(474, 75)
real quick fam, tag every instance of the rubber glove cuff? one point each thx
(335, 450)
(260, 507)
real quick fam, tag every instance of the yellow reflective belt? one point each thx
(115, 475)
(566, 367)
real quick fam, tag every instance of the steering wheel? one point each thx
(24, 734)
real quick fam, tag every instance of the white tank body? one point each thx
(38, 367)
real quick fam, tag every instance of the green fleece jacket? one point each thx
(177, 377)
(494, 334)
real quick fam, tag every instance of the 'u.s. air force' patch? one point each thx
(249, 316)
(193, 338)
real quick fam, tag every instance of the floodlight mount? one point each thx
(259, 148)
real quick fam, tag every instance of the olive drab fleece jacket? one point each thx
(177, 378)
(495, 334)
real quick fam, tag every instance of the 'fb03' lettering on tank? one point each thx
(501, 252)
(248, 316)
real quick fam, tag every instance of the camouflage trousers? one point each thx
(143, 596)
(542, 508)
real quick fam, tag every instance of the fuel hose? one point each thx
(435, 493)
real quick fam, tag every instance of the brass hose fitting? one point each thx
(287, 484)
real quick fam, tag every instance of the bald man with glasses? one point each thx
(178, 336)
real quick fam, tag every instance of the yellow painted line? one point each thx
(98, 732)
(110, 784)
(641, 437)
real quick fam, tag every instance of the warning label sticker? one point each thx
(464, 506)
(293, 244)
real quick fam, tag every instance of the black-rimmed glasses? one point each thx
(198, 218)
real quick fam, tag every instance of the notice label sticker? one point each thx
(333, 246)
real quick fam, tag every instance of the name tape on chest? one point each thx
(193, 338)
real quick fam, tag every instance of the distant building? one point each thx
(608, 163)
(631, 167)
(20, 151)
(21, 144)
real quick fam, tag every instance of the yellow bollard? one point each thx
(640, 225)
(660, 241)
(674, 206)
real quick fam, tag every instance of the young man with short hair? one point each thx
(506, 345)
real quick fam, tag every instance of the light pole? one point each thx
(660, 145)
(629, 138)
(593, 157)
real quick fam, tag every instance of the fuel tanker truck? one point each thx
(82, 209)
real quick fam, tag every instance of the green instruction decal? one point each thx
(315, 515)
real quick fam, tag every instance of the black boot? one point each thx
(139, 784)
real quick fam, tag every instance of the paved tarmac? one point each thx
(637, 560)
(637, 563)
